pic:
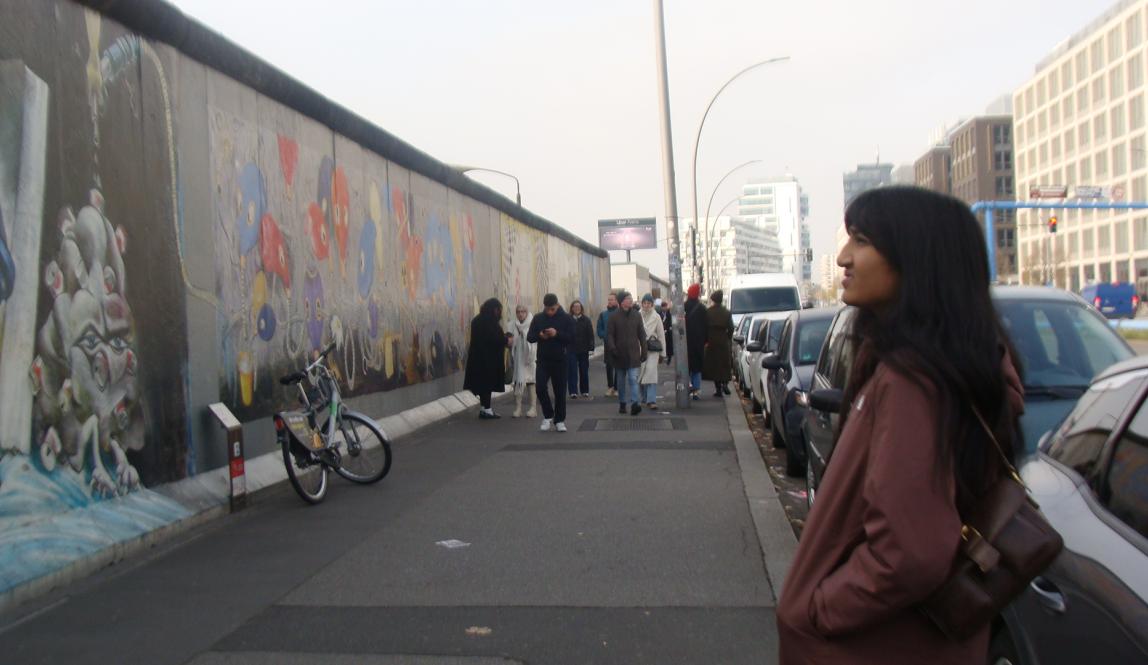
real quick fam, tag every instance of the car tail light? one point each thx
(1096, 302)
(279, 425)
(1135, 302)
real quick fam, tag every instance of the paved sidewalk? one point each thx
(625, 540)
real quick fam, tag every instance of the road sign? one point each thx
(1088, 192)
(1116, 193)
(1047, 192)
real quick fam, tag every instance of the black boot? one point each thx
(725, 388)
(717, 389)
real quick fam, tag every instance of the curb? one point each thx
(774, 533)
(206, 496)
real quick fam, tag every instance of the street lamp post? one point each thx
(702, 124)
(517, 187)
(714, 193)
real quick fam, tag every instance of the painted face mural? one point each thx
(317, 231)
(313, 298)
(366, 258)
(7, 265)
(335, 203)
(273, 251)
(252, 205)
(85, 368)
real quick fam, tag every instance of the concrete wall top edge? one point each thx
(161, 21)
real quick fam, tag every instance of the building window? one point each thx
(1004, 185)
(1069, 142)
(1136, 111)
(1085, 171)
(1098, 90)
(1121, 237)
(1132, 33)
(1115, 44)
(1116, 81)
(1082, 99)
(1100, 163)
(1086, 241)
(1054, 115)
(1138, 157)
(1099, 128)
(1117, 116)
(1056, 148)
(1084, 134)
(1002, 134)
(1097, 55)
(1119, 160)
(1040, 90)
(1135, 74)
(1081, 66)
(1070, 174)
(1140, 234)
(1002, 159)
(1066, 108)
(1104, 240)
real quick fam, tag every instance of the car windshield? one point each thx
(810, 336)
(1062, 345)
(764, 299)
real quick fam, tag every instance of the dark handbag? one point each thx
(1005, 544)
(653, 345)
(508, 367)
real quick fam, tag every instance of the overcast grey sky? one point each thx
(564, 94)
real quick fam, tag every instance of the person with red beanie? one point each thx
(695, 338)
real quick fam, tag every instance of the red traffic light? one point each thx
(1052, 224)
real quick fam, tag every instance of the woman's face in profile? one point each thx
(869, 279)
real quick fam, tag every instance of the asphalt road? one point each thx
(631, 546)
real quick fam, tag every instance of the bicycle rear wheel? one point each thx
(307, 475)
(364, 451)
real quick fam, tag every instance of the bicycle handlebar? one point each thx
(296, 377)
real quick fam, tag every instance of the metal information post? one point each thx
(234, 454)
(990, 206)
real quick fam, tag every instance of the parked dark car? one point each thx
(1091, 481)
(790, 370)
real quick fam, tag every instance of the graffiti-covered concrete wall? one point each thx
(181, 224)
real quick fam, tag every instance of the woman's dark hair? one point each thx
(941, 326)
(717, 296)
(491, 308)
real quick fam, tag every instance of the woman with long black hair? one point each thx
(931, 358)
(485, 357)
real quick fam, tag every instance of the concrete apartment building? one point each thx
(736, 246)
(780, 204)
(933, 170)
(864, 178)
(1080, 122)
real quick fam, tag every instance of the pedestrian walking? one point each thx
(719, 350)
(553, 331)
(603, 319)
(655, 332)
(626, 345)
(522, 355)
(665, 308)
(578, 355)
(695, 338)
(485, 372)
(928, 418)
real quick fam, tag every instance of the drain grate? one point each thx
(632, 424)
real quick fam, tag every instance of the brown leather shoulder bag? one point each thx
(1005, 543)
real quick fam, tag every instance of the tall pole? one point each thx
(681, 369)
(698, 138)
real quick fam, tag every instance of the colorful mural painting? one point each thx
(93, 343)
(118, 217)
(392, 284)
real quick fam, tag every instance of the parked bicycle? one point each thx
(327, 435)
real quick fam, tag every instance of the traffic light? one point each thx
(809, 254)
(1052, 224)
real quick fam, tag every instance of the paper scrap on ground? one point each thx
(452, 544)
(478, 631)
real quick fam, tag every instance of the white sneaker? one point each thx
(546, 423)
(560, 427)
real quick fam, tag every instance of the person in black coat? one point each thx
(578, 355)
(552, 330)
(695, 338)
(485, 358)
(665, 310)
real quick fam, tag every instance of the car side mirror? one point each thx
(828, 400)
(740, 339)
(753, 347)
(772, 362)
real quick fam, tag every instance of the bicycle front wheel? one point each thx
(364, 451)
(307, 474)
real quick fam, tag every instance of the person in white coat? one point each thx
(522, 357)
(655, 351)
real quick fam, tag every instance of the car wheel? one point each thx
(1002, 651)
(794, 468)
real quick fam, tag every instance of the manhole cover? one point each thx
(632, 424)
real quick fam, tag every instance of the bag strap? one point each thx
(1004, 458)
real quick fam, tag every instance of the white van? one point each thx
(765, 292)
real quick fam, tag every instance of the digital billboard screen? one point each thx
(623, 234)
